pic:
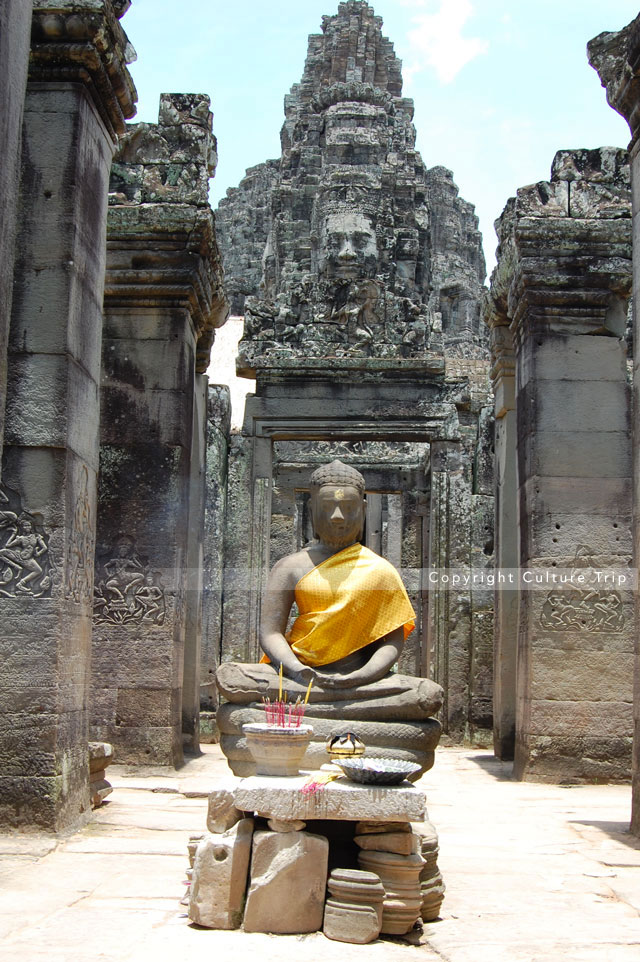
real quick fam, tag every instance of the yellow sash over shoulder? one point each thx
(353, 598)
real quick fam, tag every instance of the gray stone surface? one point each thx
(74, 109)
(344, 800)
(219, 878)
(288, 882)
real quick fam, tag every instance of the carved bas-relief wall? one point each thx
(559, 301)
(360, 274)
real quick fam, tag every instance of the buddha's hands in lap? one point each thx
(334, 680)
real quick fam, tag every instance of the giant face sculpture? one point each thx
(347, 247)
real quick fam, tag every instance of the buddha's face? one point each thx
(338, 514)
(348, 246)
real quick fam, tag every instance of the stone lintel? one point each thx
(254, 365)
(341, 800)
(82, 41)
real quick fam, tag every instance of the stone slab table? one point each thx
(281, 798)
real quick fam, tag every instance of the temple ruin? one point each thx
(492, 423)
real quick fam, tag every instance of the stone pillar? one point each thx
(163, 299)
(78, 94)
(218, 428)
(506, 533)
(481, 554)
(449, 634)
(566, 263)
(616, 57)
(15, 30)
(195, 572)
(247, 541)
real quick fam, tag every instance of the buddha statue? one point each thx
(353, 618)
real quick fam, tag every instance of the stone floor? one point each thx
(534, 873)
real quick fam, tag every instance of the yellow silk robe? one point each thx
(350, 600)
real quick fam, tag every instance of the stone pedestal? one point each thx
(432, 886)
(78, 94)
(100, 757)
(353, 910)
(400, 876)
(163, 299)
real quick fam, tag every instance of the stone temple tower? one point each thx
(349, 240)
(359, 273)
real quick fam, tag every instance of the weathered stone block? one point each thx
(282, 864)
(219, 880)
(401, 843)
(282, 798)
(221, 811)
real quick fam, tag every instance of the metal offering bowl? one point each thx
(377, 771)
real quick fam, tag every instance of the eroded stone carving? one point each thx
(127, 589)
(79, 572)
(25, 563)
(592, 607)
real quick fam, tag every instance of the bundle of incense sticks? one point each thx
(285, 714)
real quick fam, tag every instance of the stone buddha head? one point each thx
(337, 504)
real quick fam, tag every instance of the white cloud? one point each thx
(436, 41)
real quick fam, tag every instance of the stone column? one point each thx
(566, 263)
(616, 57)
(78, 94)
(506, 532)
(15, 30)
(163, 299)
(449, 634)
(218, 428)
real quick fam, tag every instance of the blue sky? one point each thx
(498, 86)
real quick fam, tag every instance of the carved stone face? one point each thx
(338, 514)
(348, 247)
